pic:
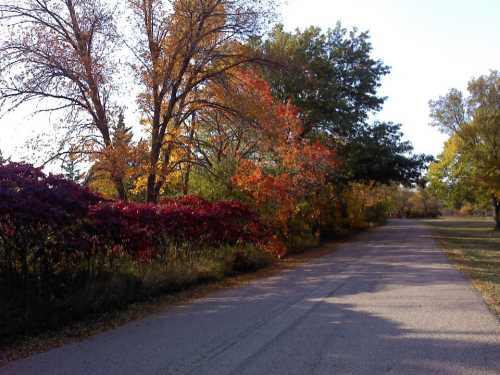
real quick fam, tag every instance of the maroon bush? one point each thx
(49, 219)
(145, 230)
(191, 201)
(43, 242)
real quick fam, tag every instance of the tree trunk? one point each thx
(150, 193)
(344, 210)
(185, 183)
(496, 207)
(185, 186)
(154, 156)
(99, 112)
(120, 188)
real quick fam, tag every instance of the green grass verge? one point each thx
(474, 247)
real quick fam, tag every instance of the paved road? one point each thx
(387, 303)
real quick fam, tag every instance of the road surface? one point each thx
(387, 302)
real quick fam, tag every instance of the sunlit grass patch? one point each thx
(474, 246)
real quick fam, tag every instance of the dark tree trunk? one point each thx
(151, 196)
(120, 188)
(185, 185)
(496, 207)
(344, 210)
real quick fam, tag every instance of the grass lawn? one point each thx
(473, 245)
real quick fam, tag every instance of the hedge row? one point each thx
(55, 234)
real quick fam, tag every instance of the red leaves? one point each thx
(49, 214)
(143, 229)
(191, 201)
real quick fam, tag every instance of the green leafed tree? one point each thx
(472, 156)
(379, 153)
(331, 76)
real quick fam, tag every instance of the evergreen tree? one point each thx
(70, 169)
(122, 134)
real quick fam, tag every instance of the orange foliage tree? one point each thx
(182, 46)
(286, 168)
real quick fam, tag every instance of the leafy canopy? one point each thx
(471, 161)
(330, 76)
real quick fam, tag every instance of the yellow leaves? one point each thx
(124, 160)
(139, 185)
(360, 197)
(471, 157)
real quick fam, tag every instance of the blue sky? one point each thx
(430, 45)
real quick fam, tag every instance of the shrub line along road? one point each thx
(388, 302)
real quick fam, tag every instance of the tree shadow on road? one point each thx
(367, 326)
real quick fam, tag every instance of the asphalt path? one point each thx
(387, 302)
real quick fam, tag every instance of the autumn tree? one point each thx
(451, 177)
(474, 122)
(274, 164)
(127, 158)
(182, 46)
(481, 145)
(232, 132)
(60, 52)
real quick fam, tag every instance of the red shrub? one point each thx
(148, 229)
(192, 201)
(42, 227)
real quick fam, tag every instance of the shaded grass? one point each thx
(474, 247)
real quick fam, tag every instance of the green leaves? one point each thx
(333, 79)
(449, 113)
(331, 76)
(379, 153)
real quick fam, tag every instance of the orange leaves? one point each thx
(265, 188)
(255, 86)
(317, 160)
(276, 247)
(279, 122)
(286, 167)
